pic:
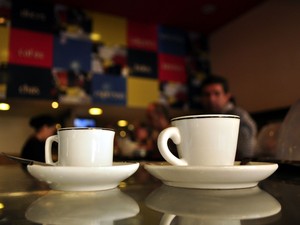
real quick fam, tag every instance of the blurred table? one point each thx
(142, 199)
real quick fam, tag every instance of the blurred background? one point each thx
(65, 57)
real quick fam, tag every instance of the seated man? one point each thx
(216, 99)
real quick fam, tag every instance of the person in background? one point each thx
(136, 144)
(34, 148)
(217, 99)
(158, 119)
(144, 144)
(158, 116)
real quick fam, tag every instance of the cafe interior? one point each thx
(102, 63)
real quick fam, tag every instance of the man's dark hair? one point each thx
(37, 122)
(214, 79)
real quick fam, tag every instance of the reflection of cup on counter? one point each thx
(194, 206)
(82, 208)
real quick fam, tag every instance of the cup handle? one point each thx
(167, 219)
(162, 142)
(48, 149)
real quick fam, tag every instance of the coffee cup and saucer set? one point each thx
(206, 147)
(85, 161)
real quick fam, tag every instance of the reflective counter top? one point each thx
(143, 199)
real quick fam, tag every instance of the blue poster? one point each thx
(72, 54)
(142, 63)
(171, 41)
(107, 89)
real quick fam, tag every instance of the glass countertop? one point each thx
(144, 199)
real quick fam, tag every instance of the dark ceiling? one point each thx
(194, 15)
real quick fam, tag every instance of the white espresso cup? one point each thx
(202, 140)
(86, 147)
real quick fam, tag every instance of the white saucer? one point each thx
(83, 178)
(205, 177)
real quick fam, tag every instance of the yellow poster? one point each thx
(4, 34)
(111, 30)
(142, 91)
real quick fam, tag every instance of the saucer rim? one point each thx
(100, 178)
(196, 176)
(236, 165)
(115, 164)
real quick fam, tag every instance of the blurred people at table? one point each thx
(217, 99)
(34, 148)
(136, 144)
(267, 141)
(159, 119)
(142, 133)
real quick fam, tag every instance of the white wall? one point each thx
(259, 53)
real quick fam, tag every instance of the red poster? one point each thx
(31, 48)
(142, 36)
(171, 68)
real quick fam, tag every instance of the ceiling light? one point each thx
(54, 105)
(2, 20)
(130, 127)
(95, 111)
(123, 134)
(122, 123)
(4, 106)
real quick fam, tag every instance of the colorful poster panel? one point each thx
(32, 15)
(4, 76)
(171, 41)
(73, 22)
(30, 82)
(142, 63)
(194, 87)
(30, 48)
(111, 30)
(142, 36)
(197, 65)
(72, 54)
(108, 90)
(197, 43)
(141, 91)
(172, 68)
(111, 60)
(73, 86)
(4, 34)
(197, 54)
(5, 9)
(174, 94)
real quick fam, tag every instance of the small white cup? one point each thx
(86, 147)
(202, 140)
